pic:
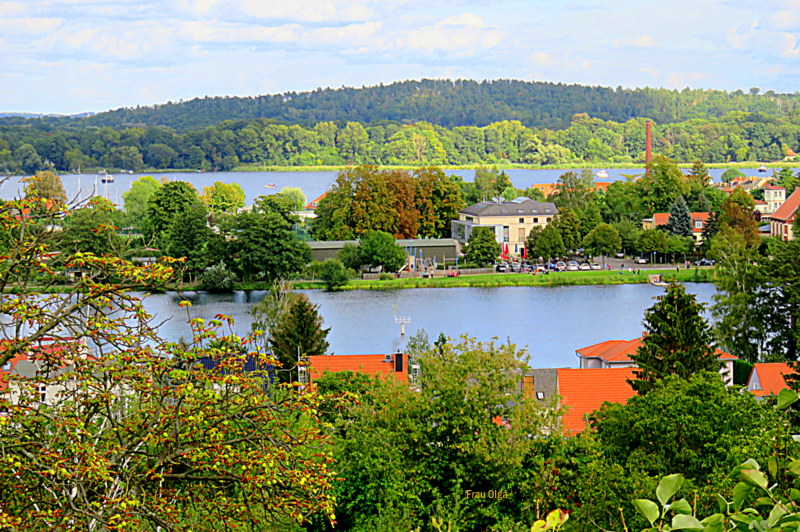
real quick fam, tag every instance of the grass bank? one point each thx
(518, 279)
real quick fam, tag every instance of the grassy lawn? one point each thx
(521, 279)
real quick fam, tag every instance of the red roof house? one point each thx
(768, 378)
(617, 354)
(583, 391)
(781, 221)
(699, 220)
(395, 365)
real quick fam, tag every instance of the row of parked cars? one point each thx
(559, 266)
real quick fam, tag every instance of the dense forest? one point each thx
(449, 104)
(413, 123)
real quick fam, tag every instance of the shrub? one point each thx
(217, 277)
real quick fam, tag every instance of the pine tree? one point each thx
(680, 220)
(678, 340)
(298, 332)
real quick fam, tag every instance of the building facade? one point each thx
(511, 221)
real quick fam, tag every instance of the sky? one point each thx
(75, 56)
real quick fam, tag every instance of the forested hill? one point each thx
(450, 104)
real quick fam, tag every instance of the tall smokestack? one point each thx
(648, 153)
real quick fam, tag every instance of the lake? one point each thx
(551, 322)
(313, 184)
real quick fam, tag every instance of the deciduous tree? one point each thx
(482, 248)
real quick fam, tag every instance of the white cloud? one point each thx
(351, 34)
(209, 31)
(463, 34)
(12, 9)
(304, 10)
(541, 59)
(642, 41)
(26, 26)
(790, 47)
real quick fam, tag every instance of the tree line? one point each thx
(737, 136)
(447, 103)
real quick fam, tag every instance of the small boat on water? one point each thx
(762, 168)
(105, 177)
(602, 174)
(656, 280)
(269, 185)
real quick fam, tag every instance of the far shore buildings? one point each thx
(511, 221)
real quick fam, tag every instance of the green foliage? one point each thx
(164, 207)
(732, 173)
(298, 333)
(296, 196)
(662, 186)
(423, 453)
(680, 219)
(482, 248)
(90, 229)
(491, 182)
(549, 244)
(569, 227)
(137, 198)
(379, 249)
(223, 197)
(188, 236)
(263, 246)
(335, 274)
(678, 340)
(652, 240)
(217, 277)
(45, 185)
(602, 240)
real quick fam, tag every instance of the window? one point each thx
(540, 396)
(7, 366)
(698, 224)
(505, 233)
(469, 218)
(536, 220)
(522, 220)
(42, 389)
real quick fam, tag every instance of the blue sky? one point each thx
(71, 56)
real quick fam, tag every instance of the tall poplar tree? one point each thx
(677, 340)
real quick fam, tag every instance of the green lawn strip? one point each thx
(522, 279)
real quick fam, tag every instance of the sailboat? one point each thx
(105, 177)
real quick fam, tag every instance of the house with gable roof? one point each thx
(617, 354)
(699, 221)
(780, 225)
(768, 379)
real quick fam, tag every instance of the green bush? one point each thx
(217, 278)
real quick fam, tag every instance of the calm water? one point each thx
(551, 322)
(313, 184)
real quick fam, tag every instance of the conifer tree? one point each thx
(299, 332)
(680, 220)
(677, 341)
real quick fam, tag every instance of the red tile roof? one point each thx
(773, 187)
(621, 350)
(369, 364)
(315, 202)
(770, 378)
(789, 207)
(43, 349)
(661, 218)
(582, 392)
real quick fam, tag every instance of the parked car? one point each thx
(597, 266)
(561, 266)
(502, 268)
(704, 262)
(640, 260)
(572, 266)
(585, 266)
(620, 255)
